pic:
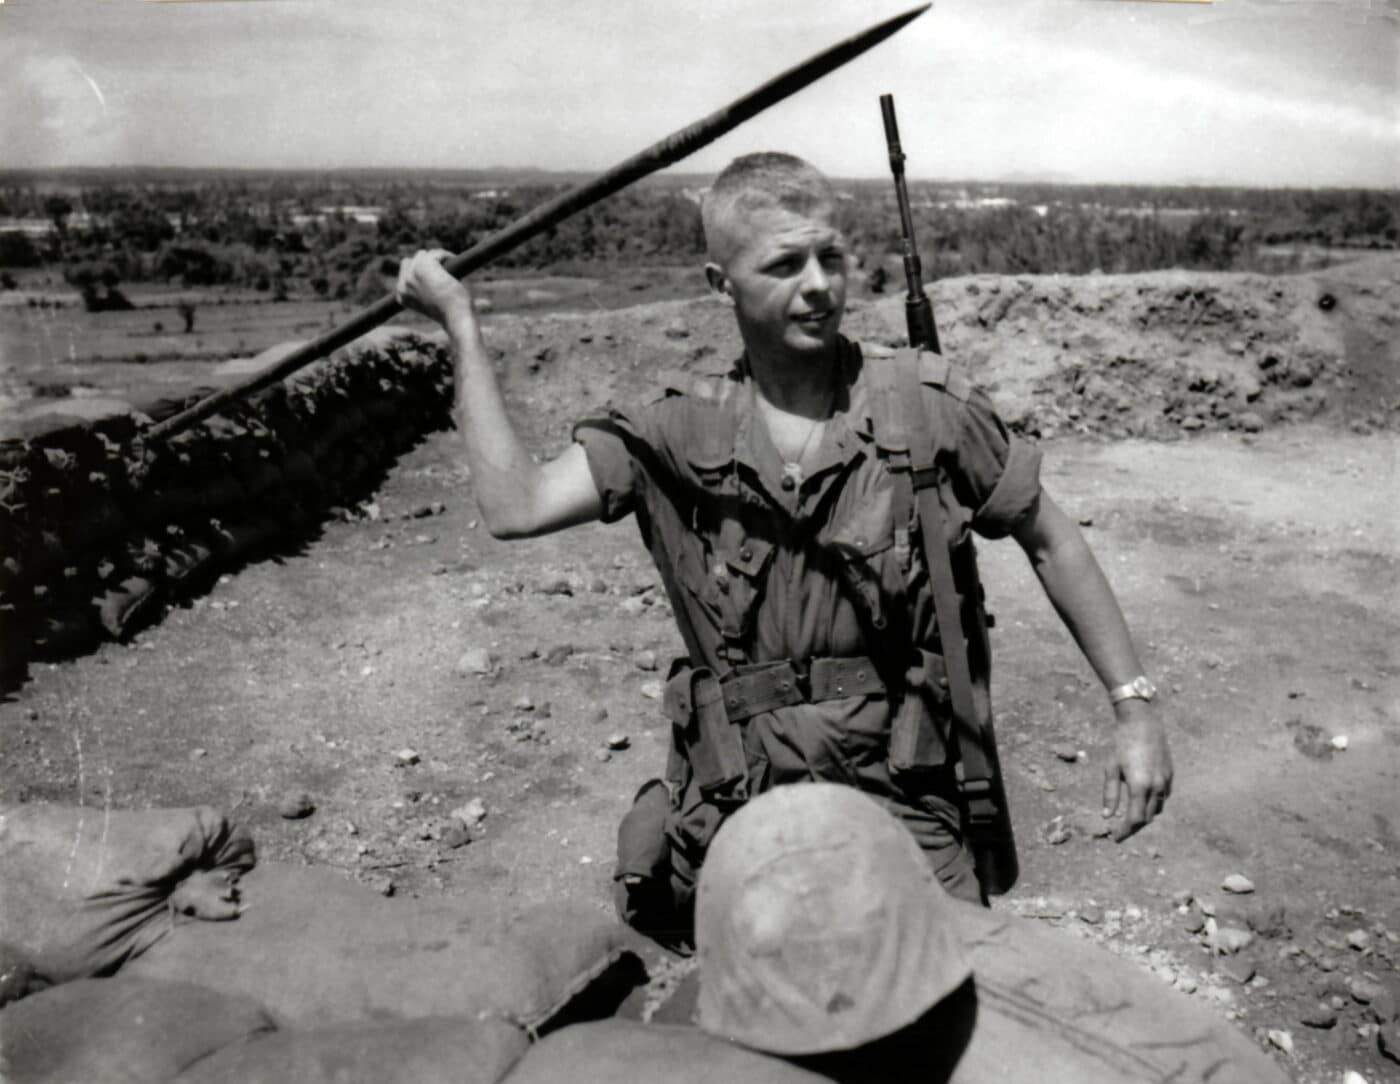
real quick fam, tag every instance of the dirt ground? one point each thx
(402, 664)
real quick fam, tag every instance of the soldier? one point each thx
(769, 510)
(824, 938)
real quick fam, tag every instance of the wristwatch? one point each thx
(1137, 689)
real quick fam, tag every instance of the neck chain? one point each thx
(792, 468)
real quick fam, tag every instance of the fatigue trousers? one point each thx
(655, 882)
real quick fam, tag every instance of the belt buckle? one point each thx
(802, 678)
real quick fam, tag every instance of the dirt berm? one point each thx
(403, 664)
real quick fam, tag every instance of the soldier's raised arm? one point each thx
(517, 496)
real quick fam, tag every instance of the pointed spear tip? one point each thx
(894, 24)
(912, 14)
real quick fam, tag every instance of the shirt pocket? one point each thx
(725, 572)
(864, 540)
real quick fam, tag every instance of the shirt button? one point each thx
(788, 484)
(746, 554)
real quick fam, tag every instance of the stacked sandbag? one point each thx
(67, 501)
(1057, 1009)
(17, 974)
(624, 1050)
(361, 988)
(82, 890)
(431, 1050)
(120, 1031)
(99, 528)
(1041, 1006)
(316, 949)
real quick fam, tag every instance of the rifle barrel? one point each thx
(918, 309)
(667, 151)
(913, 270)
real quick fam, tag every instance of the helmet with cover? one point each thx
(819, 924)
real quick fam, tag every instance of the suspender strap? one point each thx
(910, 426)
(892, 442)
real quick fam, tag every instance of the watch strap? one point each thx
(1137, 689)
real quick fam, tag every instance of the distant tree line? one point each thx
(311, 234)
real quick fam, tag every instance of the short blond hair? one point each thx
(753, 181)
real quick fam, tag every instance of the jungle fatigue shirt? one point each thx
(757, 573)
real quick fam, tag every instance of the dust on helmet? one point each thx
(819, 925)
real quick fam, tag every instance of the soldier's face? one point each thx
(786, 274)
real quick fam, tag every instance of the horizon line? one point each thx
(676, 174)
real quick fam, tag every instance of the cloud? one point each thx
(56, 112)
(1122, 91)
(1154, 99)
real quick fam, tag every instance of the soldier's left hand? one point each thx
(1139, 779)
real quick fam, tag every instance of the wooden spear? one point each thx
(659, 155)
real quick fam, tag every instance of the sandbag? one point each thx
(16, 645)
(187, 561)
(1057, 1009)
(220, 492)
(431, 1050)
(119, 1031)
(317, 948)
(83, 889)
(97, 528)
(16, 973)
(1047, 1007)
(625, 1051)
(63, 630)
(238, 541)
(299, 472)
(127, 606)
(158, 406)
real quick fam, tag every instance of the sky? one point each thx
(1248, 92)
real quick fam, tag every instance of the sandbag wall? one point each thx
(99, 528)
(134, 944)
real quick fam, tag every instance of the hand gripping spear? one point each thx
(672, 149)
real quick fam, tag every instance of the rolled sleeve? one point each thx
(1013, 495)
(999, 471)
(611, 463)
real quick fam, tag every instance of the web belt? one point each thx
(753, 689)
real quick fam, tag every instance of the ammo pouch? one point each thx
(642, 847)
(710, 743)
(707, 713)
(918, 735)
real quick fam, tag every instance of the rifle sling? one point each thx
(927, 479)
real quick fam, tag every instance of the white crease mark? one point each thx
(106, 810)
(101, 98)
(78, 831)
